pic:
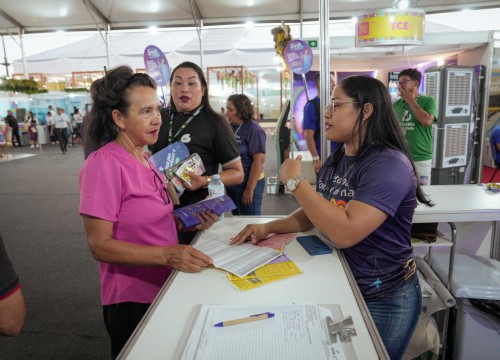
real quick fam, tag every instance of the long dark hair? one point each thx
(205, 100)
(109, 93)
(243, 106)
(382, 128)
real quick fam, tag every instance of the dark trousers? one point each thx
(121, 321)
(62, 137)
(15, 133)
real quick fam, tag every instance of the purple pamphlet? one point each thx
(169, 156)
(157, 65)
(298, 56)
(218, 205)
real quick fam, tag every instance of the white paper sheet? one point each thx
(237, 259)
(297, 331)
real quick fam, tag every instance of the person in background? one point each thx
(251, 140)
(12, 122)
(495, 148)
(12, 306)
(363, 203)
(30, 116)
(127, 213)
(33, 134)
(78, 117)
(416, 113)
(191, 120)
(51, 127)
(312, 125)
(61, 125)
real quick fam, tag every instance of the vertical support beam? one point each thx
(106, 35)
(5, 62)
(25, 63)
(324, 66)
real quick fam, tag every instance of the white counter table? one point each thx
(324, 281)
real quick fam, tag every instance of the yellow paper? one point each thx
(263, 275)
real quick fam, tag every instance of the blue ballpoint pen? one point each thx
(251, 318)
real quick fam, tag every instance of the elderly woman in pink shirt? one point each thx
(127, 213)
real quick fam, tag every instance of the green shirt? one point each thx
(419, 137)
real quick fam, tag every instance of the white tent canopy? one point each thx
(250, 47)
(222, 46)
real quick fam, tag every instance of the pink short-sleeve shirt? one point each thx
(114, 186)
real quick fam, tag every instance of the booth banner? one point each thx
(157, 65)
(298, 56)
(391, 27)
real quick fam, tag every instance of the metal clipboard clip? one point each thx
(343, 328)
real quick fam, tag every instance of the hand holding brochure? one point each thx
(217, 205)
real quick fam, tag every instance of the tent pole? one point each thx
(5, 62)
(106, 35)
(324, 66)
(25, 63)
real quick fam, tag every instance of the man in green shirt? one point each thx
(416, 114)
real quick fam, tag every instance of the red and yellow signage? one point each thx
(391, 27)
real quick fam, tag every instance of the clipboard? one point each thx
(335, 321)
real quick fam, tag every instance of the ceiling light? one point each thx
(63, 12)
(401, 4)
(250, 3)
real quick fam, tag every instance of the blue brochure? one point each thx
(218, 205)
(169, 156)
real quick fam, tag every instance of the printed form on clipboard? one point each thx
(295, 331)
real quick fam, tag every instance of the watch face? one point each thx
(291, 184)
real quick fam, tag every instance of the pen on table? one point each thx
(251, 318)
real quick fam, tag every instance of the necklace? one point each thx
(183, 126)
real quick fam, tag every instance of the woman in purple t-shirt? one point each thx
(364, 203)
(251, 140)
(126, 210)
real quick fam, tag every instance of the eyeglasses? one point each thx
(403, 82)
(161, 187)
(333, 105)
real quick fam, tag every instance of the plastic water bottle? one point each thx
(216, 188)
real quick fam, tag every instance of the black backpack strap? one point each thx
(317, 134)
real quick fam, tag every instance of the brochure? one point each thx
(219, 205)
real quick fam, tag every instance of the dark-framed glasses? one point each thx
(334, 104)
(161, 187)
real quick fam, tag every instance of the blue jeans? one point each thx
(396, 316)
(236, 194)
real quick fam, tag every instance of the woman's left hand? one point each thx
(290, 168)
(207, 219)
(247, 197)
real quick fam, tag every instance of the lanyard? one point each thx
(170, 137)
(238, 129)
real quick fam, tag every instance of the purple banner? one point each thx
(157, 65)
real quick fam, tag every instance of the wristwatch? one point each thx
(291, 184)
(315, 158)
(209, 180)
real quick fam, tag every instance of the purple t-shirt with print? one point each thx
(251, 140)
(384, 179)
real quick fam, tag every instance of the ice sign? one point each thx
(298, 56)
(156, 65)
